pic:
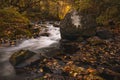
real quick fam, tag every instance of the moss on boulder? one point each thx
(20, 56)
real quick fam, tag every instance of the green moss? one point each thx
(103, 10)
(10, 15)
(13, 23)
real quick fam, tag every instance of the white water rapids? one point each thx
(6, 68)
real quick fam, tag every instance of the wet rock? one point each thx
(109, 74)
(95, 40)
(45, 34)
(20, 56)
(34, 60)
(47, 69)
(50, 52)
(77, 24)
(43, 25)
(51, 22)
(68, 46)
(104, 34)
(56, 24)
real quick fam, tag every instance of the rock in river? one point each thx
(78, 24)
(20, 56)
(45, 34)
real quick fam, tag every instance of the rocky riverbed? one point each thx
(93, 58)
(33, 44)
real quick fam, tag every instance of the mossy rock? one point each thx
(77, 24)
(105, 34)
(20, 56)
(95, 41)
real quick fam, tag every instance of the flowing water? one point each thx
(6, 69)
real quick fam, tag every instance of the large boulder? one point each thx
(78, 24)
(20, 56)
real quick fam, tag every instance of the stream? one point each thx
(7, 71)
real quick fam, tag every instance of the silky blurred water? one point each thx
(6, 69)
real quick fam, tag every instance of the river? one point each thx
(7, 71)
